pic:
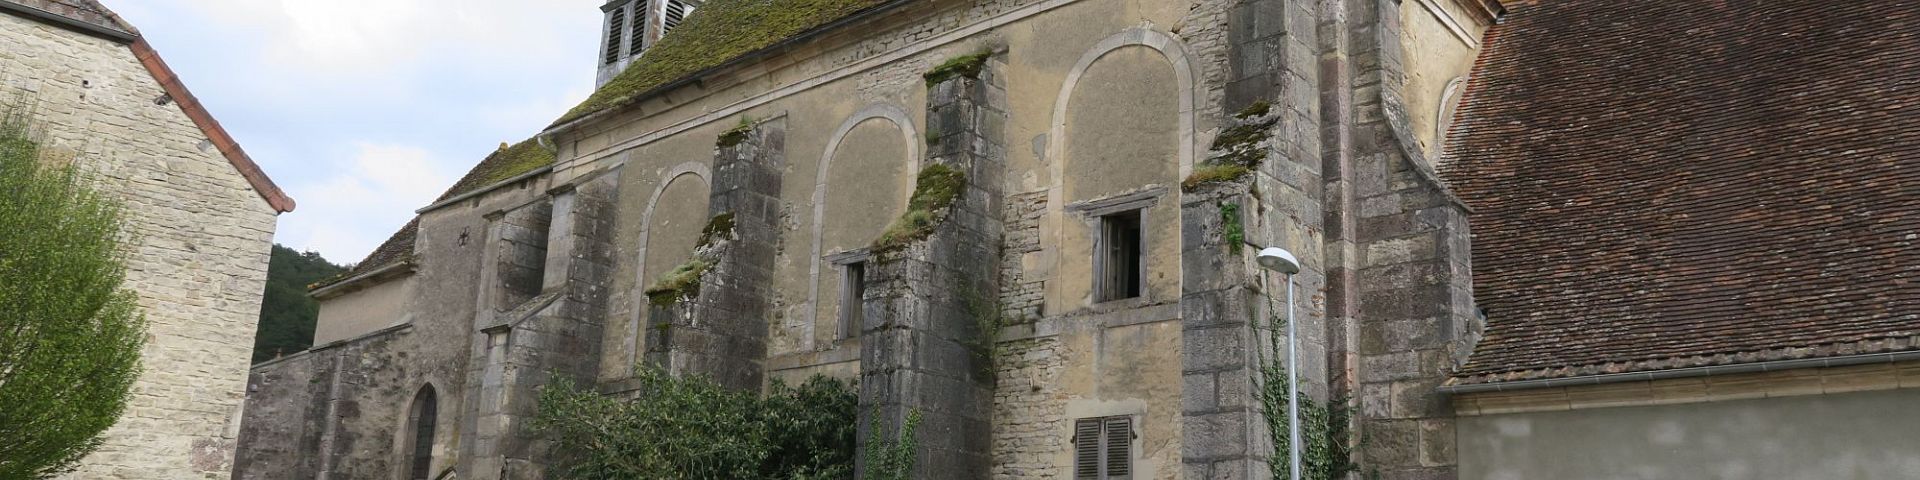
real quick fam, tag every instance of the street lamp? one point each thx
(1279, 260)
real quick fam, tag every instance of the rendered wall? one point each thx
(360, 312)
(1441, 40)
(1864, 435)
(199, 261)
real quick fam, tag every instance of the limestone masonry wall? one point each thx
(201, 236)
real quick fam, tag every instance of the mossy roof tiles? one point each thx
(719, 32)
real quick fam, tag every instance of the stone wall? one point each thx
(199, 256)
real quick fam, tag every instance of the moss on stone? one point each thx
(718, 227)
(1257, 109)
(682, 282)
(968, 65)
(733, 136)
(936, 188)
(719, 32)
(1237, 151)
(1208, 173)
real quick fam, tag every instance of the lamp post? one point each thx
(1279, 260)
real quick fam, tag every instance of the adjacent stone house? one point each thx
(1632, 181)
(202, 215)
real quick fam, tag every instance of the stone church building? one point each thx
(1553, 239)
(200, 214)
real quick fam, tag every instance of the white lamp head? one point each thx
(1279, 260)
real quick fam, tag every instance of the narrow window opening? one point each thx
(1119, 267)
(1103, 448)
(853, 289)
(425, 417)
(616, 26)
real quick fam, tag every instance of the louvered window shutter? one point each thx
(616, 25)
(1103, 448)
(673, 12)
(1086, 449)
(1118, 450)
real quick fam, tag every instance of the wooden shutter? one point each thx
(1119, 447)
(1086, 448)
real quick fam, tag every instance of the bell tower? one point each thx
(632, 26)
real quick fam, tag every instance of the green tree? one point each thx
(693, 428)
(70, 336)
(287, 314)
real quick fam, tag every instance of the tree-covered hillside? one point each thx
(287, 314)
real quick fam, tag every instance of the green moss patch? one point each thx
(682, 282)
(719, 32)
(1237, 151)
(962, 66)
(507, 162)
(1257, 109)
(1204, 174)
(718, 227)
(934, 191)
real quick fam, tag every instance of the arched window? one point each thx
(422, 417)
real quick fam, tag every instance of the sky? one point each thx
(365, 110)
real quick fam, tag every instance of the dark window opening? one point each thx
(425, 414)
(616, 26)
(853, 289)
(1119, 265)
(1103, 448)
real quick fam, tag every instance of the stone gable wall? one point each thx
(202, 237)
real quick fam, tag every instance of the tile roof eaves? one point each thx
(1720, 360)
(397, 268)
(487, 188)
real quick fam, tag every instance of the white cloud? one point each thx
(346, 37)
(367, 198)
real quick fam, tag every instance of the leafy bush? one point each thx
(694, 428)
(70, 337)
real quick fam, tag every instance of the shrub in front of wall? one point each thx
(693, 428)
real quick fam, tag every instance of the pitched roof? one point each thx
(505, 163)
(396, 249)
(89, 16)
(1671, 184)
(720, 31)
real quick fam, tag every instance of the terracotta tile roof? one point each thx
(1670, 184)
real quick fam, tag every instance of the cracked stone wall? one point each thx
(199, 258)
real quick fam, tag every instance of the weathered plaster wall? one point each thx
(1862, 435)
(199, 255)
(363, 311)
(1441, 40)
